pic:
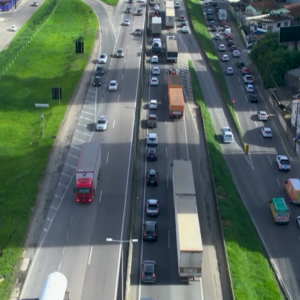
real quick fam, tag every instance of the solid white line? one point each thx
(114, 123)
(239, 79)
(91, 251)
(167, 181)
(278, 181)
(168, 238)
(59, 266)
(67, 234)
(166, 151)
(100, 197)
(269, 159)
(63, 185)
(63, 252)
(57, 196)
(186, 140)
(107, 157)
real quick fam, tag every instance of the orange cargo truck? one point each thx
(175, 95)
(292, 188)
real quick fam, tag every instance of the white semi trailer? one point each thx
(188, 234)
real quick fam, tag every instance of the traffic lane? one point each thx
(258, 207)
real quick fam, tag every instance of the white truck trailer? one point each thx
(188, 234)
(169, 4)
(55, 287)
(171, 50)
(170, 17)
(156, 25)
(222, 14)
(88, 172)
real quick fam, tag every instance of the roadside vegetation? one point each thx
(204, 39)
(273, 60)
(49, 60)
(252, 277)
(111, 2)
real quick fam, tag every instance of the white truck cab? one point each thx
(227, 134)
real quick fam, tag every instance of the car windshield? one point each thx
(285, 162)
(101, 122)
(152, 206)
(152, 139)
(112, 84)
(102, 56)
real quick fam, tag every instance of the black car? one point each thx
(214, 4)
(253, 98)
(150, 231)
(213, 28)
(128, 10)
(97, 81)
(240, 64)
(183, 23)
(152, 178)
(139, 12)
(148, 271)
(210, 18)
(230, 43)
(151, 154)
(99, 70)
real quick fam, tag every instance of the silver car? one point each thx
(102, 123)
(152, 208)
(152, 139)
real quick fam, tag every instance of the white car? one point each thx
(177, 4)
(248, 79)
(236, 53)
(249, 88)
(227, 135)
(262, 115)
(153, 104)
(102, 123)
(222, 48)
(283, 163)
(266, 132)
(13, 28)
(229, 71)
(225, 57)
(126, 22)
(113, 85)
(138, 32)
(155, 71)
(154, 81)
(217, 36)
(154, 59)
(35, 4)
(156, 7)
(152, 139)
(184, 29)
(102, 58)
(298, 220)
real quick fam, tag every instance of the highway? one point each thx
(74, 237)
(256, 175)
(176, 140)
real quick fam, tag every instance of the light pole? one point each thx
(41, 105)
(122, 261)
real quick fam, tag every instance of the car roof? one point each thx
(152, 134)
(283, 157)
(156, 67)
(152, 171)
(151, 149)
(267, 128)
(120, 49)
(153, 101)
(260, 111)
(102, 117)
(102, 54)
(152, 201)
(113, 81)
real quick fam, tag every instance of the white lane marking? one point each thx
(88, 119)
(261, 138)
(62, 185)
(251, 111)
(270, 159)
(242, 88)
(119, 98)
(166, 151)
(87, 113)
(68, 234)
(255, 123)
(239, 79)
(90, 256)
(246, 98)
(71, 166)
(107, 157)
(59, 266)
(278, 181)
(84, 133)
(71, 220)
(71, 155)
(114, 123)
(67, 175)
(100, 198)
(77, 148)
(168, 238)
(167, 181)
(249, 160)
(122, 76)
(125, 62)
(63, 252)
(79, 140)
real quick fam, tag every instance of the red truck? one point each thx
(87, 172)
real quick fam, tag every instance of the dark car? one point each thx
(150, 231)
(217, 9)
(253, 98)
(181, 18)
(230, 43)
(233, 47)
(139, 12)
(240, 64)
(128, 10)
(183, 23)
(209, 12)
(151, 154)
(148, 271)
(99, 70)
(213, 28)
(97, 81)
(214, 4)
(152, 208)
(210, 18)
(152, 121)
(152, 178)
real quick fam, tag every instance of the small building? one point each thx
(292, 79)
(269, 23)
(294, 12)
(259, 8)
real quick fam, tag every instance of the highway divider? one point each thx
(250, 272)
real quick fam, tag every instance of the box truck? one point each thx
(156, 26)
(170, 17)
(292, 188)
(175, 95)
(87, 172)
(171, 50)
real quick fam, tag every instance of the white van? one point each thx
(227, 135)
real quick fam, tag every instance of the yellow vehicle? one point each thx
(279, 210)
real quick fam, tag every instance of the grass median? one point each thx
(48, 61)
(252, 277)
(204, 39)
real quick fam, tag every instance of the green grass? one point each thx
(48, 61)
(204, 38)
(252, 277)
(111, 2)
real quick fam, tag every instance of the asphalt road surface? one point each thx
(74, 237)
(177, 140)
(256, 175)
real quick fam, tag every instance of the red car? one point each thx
(233, 47)
(181, 18)
(228, 37)
(156, 14)
(245, 71)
